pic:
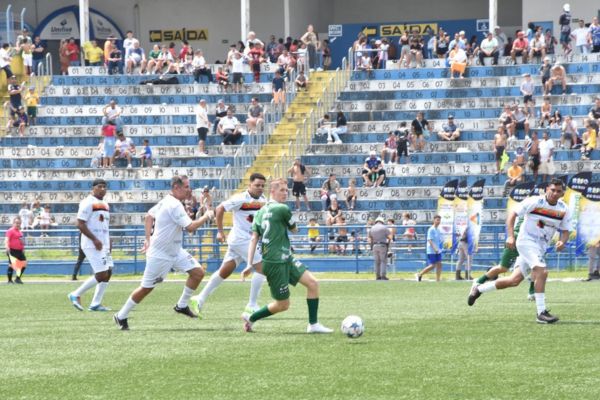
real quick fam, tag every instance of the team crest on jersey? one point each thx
(101, 218)
(541, 224)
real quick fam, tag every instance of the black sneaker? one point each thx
(10, 283)
(546, 318)
(185, 311)
(474, 295)
(596, 275)
(19, 281)
(121, 323)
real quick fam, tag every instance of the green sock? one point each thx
(260, 314)
(531, 288)
(482, 279)
(313, 310)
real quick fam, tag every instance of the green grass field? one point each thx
(422, 342)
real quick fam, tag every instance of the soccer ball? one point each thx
(353, 326)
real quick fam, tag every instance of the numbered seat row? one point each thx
(209, 91)
(102, 70)
(130, 183)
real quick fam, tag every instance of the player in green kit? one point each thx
(271, 224)
(509, 256)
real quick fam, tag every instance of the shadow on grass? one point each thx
(563, 322)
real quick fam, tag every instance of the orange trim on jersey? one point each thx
(545, 212)
(100, 207)
(254, 206)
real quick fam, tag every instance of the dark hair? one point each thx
(256, 176)
(557, 182)
(177, 180)
(5, 45)
(437, 216)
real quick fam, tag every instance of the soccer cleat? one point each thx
(318, 328)
(546, 318)
(185, 311)
(194, 305)
(121, 323)
(473, 295)
(247, 323)
(76, 301)
(418, 277)
(531, 297)
(98, 307)
(251, 309)
(18, 281)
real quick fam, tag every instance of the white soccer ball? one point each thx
(353, 326)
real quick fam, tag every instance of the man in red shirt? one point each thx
(185, 50)
(13, 242)
(519, 48)
(73, 53)
(256, 58)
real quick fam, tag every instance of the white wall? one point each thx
(551, 10)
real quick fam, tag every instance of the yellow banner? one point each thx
(398, 30)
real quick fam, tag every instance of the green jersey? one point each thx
(272, 223)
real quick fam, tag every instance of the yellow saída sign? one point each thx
(167, 35)
(398, 30)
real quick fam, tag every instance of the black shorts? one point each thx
(299, 189)
(341, 238)
(520, 125)
(527, 98)
(534, 160)
(18, 254)
(237, 77)
(536, 53)
(499, 152)
(379, 173)
(202, 132)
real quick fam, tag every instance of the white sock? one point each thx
(127, 307)
(255, 286)
(540, 302)
(185, 297)
(487, 287)
(214, 281)
(99, 293)
(85, 286)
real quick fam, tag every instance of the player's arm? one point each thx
(251, 251)
(148, 224)
(562, 240)
(510, 229)
(219, 212)
(208, 215)
(83, 228)
(6, 244)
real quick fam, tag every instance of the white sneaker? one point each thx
(129, 166)
(317, 328)
(195, 306)
(247, 323)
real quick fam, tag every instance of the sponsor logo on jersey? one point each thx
(549, 213)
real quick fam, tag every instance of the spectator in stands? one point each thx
(202, 124)
(112, 112)
(237, 69)
(365, 63)
(341, 127)
(255, 119)
(329, 190)
(284, 61)
(409, 227)
(135, 57)
(556, 120)
(23, 39)
(383, 53)
(545, 112)
(200, 67)
(489, 48)
(514, 176)
(390, 147)
(499, 147)
(527, 89)
(63, 56)
(341, 240)
(521, 118)
(537, 46)
(124, 148)
(311, 39)
(185, 50)
(128, 41)
(569, 133)
(115, 60)
(222, 78)
(546, 146)
(301, 81)
(46, 219)
(351, 194)
(519, 48)
(333, 210)
(594, 37)
(458, 61)
(373, 172)
(581, 36)
(205, 202)
(278, 90)
(565, 29)
(300, 175)
(32, 99)
(271, 49)
(26, 217)
(415, 53)
(508, 122)
(441, 44)
(73, 53)
(98, 155)
(450, 131)
(220, 112)
(95, 55)
(557, 75)
(595, 110)
(502, 40)
(420, 130)
(109, 133)
(107, 47)
(533, 149)
(520, 159)
(314, 235)
(255, 56)
(402, 135)
(155, 62)
(5, 60)
(435, 245)
(15, 92)
(588, 139)
(146, 154)
(379, 239)
(19, 121)
(27, 57)
(545, 72)
(229, 128)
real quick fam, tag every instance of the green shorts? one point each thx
(509, 256)
(32, 112)
(281, 275)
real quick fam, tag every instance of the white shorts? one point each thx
(530, 256)
(100, 261)
(27, 60)
(547, 168)
(238, 252)
(157, 268)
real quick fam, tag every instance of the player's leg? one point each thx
(77, 267)
(539, 276)
(438, 271)
(513, 280)
(97, 261)
(227, 267)
(299, 273)
(195, 273)
(278, 277)
(102, 277)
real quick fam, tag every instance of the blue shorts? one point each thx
(565, 37)
(434, 258)
(109, 146)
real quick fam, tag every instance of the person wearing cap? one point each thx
(23, 39)
(558, 74)
(519, 48)
(379, 238)
(565, 29)
(489, 48)
(373, 172)
(450, 131)
(93, 219)
(434, 247)
(537, 46)
(202, 125)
